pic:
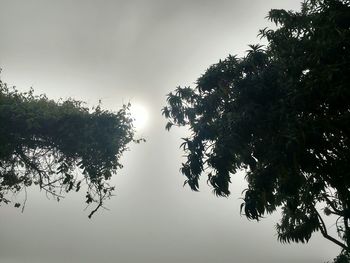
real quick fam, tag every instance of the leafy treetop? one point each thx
(49, 144)
(282, 113)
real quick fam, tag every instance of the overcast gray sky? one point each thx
(138, 51)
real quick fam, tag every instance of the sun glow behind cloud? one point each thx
(140, 116)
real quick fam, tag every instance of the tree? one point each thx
(282, 113)
(59, 146)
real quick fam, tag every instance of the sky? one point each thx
(136, 51)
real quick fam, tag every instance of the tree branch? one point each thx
(324, 232)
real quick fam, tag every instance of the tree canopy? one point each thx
(282, 113)
(59, 146)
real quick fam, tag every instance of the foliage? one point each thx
(282, 113)
(342, 258)
(50, 144)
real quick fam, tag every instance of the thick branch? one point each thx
(324, 232)
(347, 230)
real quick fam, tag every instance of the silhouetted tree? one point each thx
(51, 144)
(282, 113)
